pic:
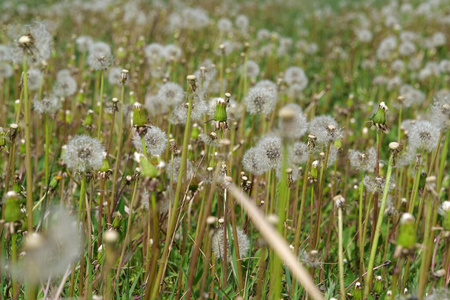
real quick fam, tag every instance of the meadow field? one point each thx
(224, 149)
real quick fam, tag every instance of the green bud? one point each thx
(54, 182)
(89, 120)
(68, 117)
(314, 169)
(16, 106)
(338, 144)
(121, 53)
(116, 221)
(139, 119)
(378, 286)
(380, 116)
(446, 209)
(422, 180)
(220, 115)
(147, 168)
(105, 166)
(195, 132)
(80, 97)
(357, 291)
(12, 207)
(407, 235)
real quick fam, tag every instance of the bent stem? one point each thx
(378, 229)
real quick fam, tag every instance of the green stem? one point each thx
(47, 149)
(100, 117)
(174, 216)
(29, 177)
(424, 266)
(373, 251)
(341, 256)
(275, 292)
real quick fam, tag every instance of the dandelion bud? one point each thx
(446, 210)
(378, 286)
(68, 116)
(339, 201)
(89, 120)
(314, 169)
(139, 119)
(105, 167)
(357, 291)
(111, 237)
(147, 169)
(191, 80)
(124, 76)
(407, 235)
(12, 207)
(379, 117)
(220, 115)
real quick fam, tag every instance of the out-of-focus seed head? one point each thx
(50, 104)
(424, 136)
(172, 93)
(292, 122)
(256, 161)
(173, 169)
(100, 57)
(259, 101)
(325, 128)
(363, 161)
(84, 154)
(218, 244)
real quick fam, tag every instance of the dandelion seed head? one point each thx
(5, 53)
(50, 104)
(65, 85)
(296, 75)
(259, 101)
(325, 128)
(440, 111)
(155, 141)
(294, 127)
(172, 93)
(84, 42)
(272, 147)
(256, 161)
(300, 153)
(35, 41)
(34, 79)
(49, 253)
(424, 136)
(224, 25)
(173, 169)
(83, 154)
(252, 69)
(363, 161)
(6, 70)
(115, 76)
(100, 57)
(218, 243)
(377, 184)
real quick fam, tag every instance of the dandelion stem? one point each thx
(373, 251)
(100, 117)
(341, 255)
(29, 177)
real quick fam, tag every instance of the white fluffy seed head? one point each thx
(424, 136)
(255, 161)
(155, 141)
(259, 100)
(320, 127)
(218, 243)
(83, 154)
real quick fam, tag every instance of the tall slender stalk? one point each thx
(29, 177)
(174, 215)
(373, 251)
